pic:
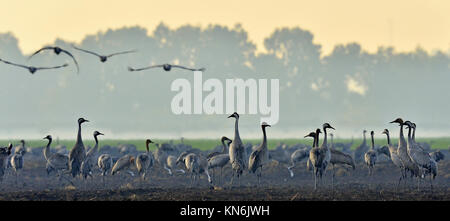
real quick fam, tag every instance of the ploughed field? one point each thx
(33, 183)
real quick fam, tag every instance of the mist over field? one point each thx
(350, 88)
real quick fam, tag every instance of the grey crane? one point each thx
(145, 161)
(315, 136)
(297, 156)
(124, 163)
(78, 153)
(361, 149)
(224, 147)
(4, 153)
(219, 160)
(402, 153)
(161, 154)
(103, 58)
(320, 156)
(393, 153)
(88, 162)
(259, 157)
(420, 157)
(166, 67)
(195, 165)
(105, 163)
(17, 162)
(339, 158)
(55, 161)
(237, 151)
(32, 69)
(370, 157)
(172, 165)
(57, 50)
(300, 154)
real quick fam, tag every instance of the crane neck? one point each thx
(316, 140)
(79, 139)
(324, 143)
(414, 134)
(47, 149)
(373, 143)
(401, 139)
(364, 137)
(264, 144)
(236, 129)
(96, 144)
(224, 147)
(409, 136)
(388, 139)
(147, 147)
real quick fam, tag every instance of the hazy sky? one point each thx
(404, 24)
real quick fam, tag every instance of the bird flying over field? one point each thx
(33, 69)
(57, 50)
(103, 58)
(166, 67)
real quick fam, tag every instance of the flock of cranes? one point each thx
(409, 156)
(103, 58)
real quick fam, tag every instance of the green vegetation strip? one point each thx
(207, 144)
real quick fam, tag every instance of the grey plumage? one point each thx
(78, 152)
(89, 161)
(237, 151)
(361, 149)
(145, 161)
(4, 153)
(259, 157)
(370, 157)
(123, 163)
(105, 163)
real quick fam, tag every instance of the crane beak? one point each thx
(230, 116)
(332, 128)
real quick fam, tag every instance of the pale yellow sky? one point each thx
(404, 24)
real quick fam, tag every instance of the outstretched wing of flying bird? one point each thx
(123, 52)
(83, 50)
(42, 49)
(191, 69)
(54, 67)
(145, 68)
(19, 65)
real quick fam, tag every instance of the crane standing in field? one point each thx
(320, 157)
(88, 163)
(78, 152)
(145, 161)
(217, 159)
(339, 158)
(393, 154)
(55, 161)
(402, 153)
(370, 157)
(4, 153)
(426, 164)
(237, 152)
(259, 157)
(104, 163)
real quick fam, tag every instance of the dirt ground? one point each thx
(34, 184)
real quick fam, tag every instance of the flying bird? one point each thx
(103, 58)
(166, 67)
(57, 50)
(33, 69)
